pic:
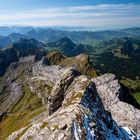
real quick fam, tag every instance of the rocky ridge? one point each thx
(63, 104)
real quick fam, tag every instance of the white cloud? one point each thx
(82, 15)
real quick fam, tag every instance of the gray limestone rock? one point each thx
(76, 107)
(124, 114)
(82, 115)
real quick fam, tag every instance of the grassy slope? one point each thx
(28, 107)
(137, 97)
(133, 86)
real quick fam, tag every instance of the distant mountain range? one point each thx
(11, 34)
(5, 30)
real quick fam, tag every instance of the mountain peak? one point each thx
(65, 40)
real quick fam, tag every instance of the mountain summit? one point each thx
(67, 47)
(65, 41)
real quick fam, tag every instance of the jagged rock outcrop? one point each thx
(123, 113)
(58, 92)
(77, 107)
(55, 57)
(80, 62)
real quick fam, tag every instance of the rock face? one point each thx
(62, 104)
(12, 82)
(123, 113)
(58, 92)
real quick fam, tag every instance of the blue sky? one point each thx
(111, 13)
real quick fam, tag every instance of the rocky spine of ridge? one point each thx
(41, 101)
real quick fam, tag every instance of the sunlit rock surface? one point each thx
(76, 107)
(81, 108)
(109, 90)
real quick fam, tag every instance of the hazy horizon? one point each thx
(67, 28)
(99, 13)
